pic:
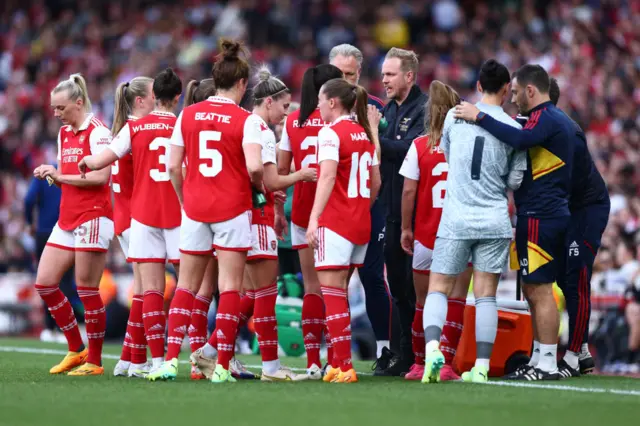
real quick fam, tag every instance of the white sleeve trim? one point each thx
(121, 144)
(99, 139)
(410, 167)
(176, 136)
(252, 130)
(328, 145)
(59, 156)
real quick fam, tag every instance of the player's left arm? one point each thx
(176, 158)
(411, 171)
(99, 139)
(273, 181)
(252, 147)
(517, 168)
(535, 133)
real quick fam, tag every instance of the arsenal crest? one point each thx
(82, 139)
(273, 245)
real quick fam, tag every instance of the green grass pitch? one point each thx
(30, 396)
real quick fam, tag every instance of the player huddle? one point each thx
(201, 191)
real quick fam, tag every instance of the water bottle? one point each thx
(259, 200)
(382, 126)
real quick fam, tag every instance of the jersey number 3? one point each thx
(359, 175)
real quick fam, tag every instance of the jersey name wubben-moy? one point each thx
(302, 142)
(217, 187)
(476, 204)
(347, 212)
(154, 201)
(428, 166)
(82, 204)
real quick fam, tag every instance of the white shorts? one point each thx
(265, 243)
(153, 245)
(201, 238)
(298, 237)
(422, 258)
(336, 252)
(93, 235)
(124, 239)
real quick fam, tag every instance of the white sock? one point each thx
(380, 344)
(124, 363)
(270, 367)
(584, 351)
(209, 351)
(432, 345)
(535, 356)
(136, 366)
(157, 362)
(482, 362)
(571, 358)
(548, 358)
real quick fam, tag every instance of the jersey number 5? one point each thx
(212, 154)
(439, 189)
(359, 175)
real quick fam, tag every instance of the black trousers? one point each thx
(400, 278)
(66, 284)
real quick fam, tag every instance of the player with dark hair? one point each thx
(475, 224)
(550, 138)
(300, 143)
(222, 145)
(340, 224)
(155, 210)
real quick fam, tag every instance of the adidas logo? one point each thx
(548, 354)
(443, 339)
(220, 335)
(310, 336)
(157, 327)
(574, 245)
(192, 329)
(83, 241)
(182, 329)
(347, 328)
(127, 336)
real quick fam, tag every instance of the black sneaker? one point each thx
(523, 369)
(381, 364)
(566, 371)
(397, 367)
(587, 365)
(535, 374)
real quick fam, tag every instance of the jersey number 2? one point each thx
(359, 175)
(439, 189)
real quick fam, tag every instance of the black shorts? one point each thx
(540, 244)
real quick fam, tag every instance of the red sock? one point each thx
(327, 340)
(452, 330)
(339, 324)
(179, 318)
(95, 319)
(247, 301)
(417, 336)
(154, 321)
(265, 322)
(312, 326)
(62, 313)
(227, 326)
(199, 322)
(138, 343)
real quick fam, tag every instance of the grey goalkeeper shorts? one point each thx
(452, 257)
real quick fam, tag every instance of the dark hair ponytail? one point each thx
(229, 67)
(198, 91)
(312, 81)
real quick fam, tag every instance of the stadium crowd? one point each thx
(592, 48)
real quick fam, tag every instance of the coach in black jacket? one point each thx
(405, 116)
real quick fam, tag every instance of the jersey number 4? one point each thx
(359, 175)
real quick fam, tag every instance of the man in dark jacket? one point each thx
(405, 116)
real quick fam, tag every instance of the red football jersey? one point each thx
(347, 212)
(429, 167)
(81, 204)
(122, 186)
(217, 186)
(266, 214)
(154, 201)
(302, 142)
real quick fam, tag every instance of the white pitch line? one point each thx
(492, 383)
